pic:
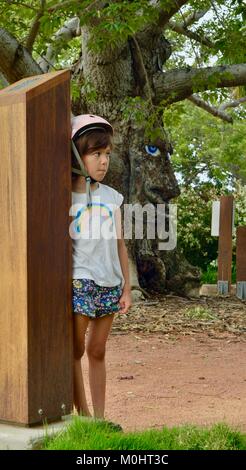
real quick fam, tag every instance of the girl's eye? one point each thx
(97, 154)
(152, 150)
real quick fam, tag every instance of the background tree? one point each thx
(209, 159)
(131, 61)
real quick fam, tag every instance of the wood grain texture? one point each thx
(35, 293)
(225, 239)
(241, 254)
(13, 256)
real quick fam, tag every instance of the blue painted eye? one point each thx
(152, 150)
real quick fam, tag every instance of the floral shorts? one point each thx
(95, 301)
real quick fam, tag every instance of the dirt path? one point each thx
(195, 376)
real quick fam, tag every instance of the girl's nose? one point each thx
(104, 158)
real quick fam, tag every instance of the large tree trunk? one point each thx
(133, 69)
(15, 60)
(140, 177)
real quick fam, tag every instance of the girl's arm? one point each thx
(125, 299)
(123, 256)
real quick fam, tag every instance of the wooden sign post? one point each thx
(241, 262)
(225, 244)
(35, 250)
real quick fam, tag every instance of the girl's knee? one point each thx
(96, 351)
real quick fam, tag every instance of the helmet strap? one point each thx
(84, 173)
(82, 170)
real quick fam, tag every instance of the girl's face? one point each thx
(97, 162)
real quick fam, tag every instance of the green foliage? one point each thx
(135, 109)
(89, 91)
(199, 313)
(17, 17)
(99, 436)
(194, 221)
(210, 276)
(223, 25)
(144, 114)
(240, 199)
(75, 90)
(194, 224)
(118, 21)
(206, 145)
(229, 38)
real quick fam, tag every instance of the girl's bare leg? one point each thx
(95, 348)
(80, 327)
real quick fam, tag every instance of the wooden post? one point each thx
(241, 262)
(35, 250)
(225, 244)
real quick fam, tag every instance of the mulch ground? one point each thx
(174, 361)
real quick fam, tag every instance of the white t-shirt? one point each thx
(94, 237)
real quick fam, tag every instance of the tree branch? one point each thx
(178, 84)
(69, 30)
(163, 16)
(35, 27)
(180, 29)
(217, 112)
(193, 174)
(68, 3)
(21, 4)
(15, 60)
(232, 104)
(210, 109)
(166, 14)
(194, 17)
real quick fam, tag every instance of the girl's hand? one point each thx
(125, 300)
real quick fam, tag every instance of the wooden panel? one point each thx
(36, 251)
(49, 254)
(13, 255)
(31, 85)
(241, 254)
(225, 239)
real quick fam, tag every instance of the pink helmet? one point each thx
(85, 122)
(80, 125)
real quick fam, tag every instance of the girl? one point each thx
(101, 285)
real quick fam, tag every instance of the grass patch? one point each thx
(210, 276)
(199, 313)
(93, 435)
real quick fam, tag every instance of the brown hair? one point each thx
(90, 141)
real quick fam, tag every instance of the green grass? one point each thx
(199, 313)
(93, 435)
(210, 276)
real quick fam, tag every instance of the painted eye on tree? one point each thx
(152, 150)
